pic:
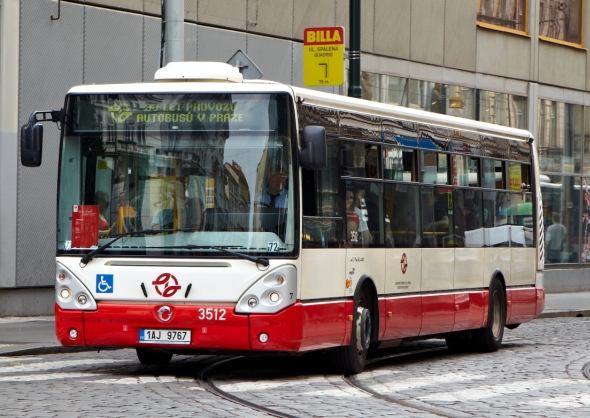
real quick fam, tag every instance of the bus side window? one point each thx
(496, 227)
(468, 218)
(402, 216)
(437, 217)
(322, 213)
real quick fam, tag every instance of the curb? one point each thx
(565, 314)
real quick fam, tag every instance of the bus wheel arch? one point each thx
(490, 337)
(366, 286)
(351, 359)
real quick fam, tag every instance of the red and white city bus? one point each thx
(205, 213)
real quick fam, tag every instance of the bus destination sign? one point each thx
(323, 56)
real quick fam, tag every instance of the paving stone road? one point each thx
(538, 372)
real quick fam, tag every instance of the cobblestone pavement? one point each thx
(538, 372)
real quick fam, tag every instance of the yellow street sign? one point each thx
(323, 56)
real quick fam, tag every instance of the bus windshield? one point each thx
(215, 167)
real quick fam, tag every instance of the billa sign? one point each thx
(323, 56)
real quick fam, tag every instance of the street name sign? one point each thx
(323, 56)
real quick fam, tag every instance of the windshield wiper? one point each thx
(88, 257)
(257, 260)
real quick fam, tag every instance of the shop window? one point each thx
(560, 137)
(561, 20)
(586, 162)
(505, 14)
(561, 212)
(384, 88)
(442, 98)
(585, 215)
(501, 109)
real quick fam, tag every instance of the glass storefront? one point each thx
(563, 146)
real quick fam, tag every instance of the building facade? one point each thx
(520, 63)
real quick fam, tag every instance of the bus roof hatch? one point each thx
(199, 71)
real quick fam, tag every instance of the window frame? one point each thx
(500, 28)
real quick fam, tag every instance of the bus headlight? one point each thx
(65, 293)
(252, 302)
(70, 293)
(271, 293)
(82, 299)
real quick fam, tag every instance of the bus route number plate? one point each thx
(164, 336)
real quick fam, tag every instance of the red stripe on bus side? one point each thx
(523, 305)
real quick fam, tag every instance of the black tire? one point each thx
(351, 359)
(490, 338)
(150, 356)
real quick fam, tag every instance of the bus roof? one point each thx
(312, 97)
(415, 115)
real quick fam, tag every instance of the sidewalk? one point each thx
(36, 335)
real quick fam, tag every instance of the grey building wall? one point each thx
(110, 41)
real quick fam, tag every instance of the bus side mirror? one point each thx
(31, 144)
(313, 155)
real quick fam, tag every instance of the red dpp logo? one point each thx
(166, 285)
(404, 263)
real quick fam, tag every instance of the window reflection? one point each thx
(466, 170)
(495, 219)
(493, 174)
(561, 211)
(437, 218)
(434, 168)
(442, 98)
(501, 108)
(560, 137)
(402, 216)
(561, 20)
(508, 14)
(468, 215)
(384, 88)
(399, 164)
(364, 214)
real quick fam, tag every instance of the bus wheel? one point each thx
(351, 359)
(149, 356)
(490, 337)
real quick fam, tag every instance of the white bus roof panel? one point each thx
(311, 97)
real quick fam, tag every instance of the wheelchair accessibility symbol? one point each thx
(104, 283)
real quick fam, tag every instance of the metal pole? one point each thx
(174, 12)
(354, 52)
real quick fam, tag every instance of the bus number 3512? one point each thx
(212, 314)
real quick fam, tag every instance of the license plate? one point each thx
(164, 336)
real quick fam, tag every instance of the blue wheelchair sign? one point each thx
(104, 283)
